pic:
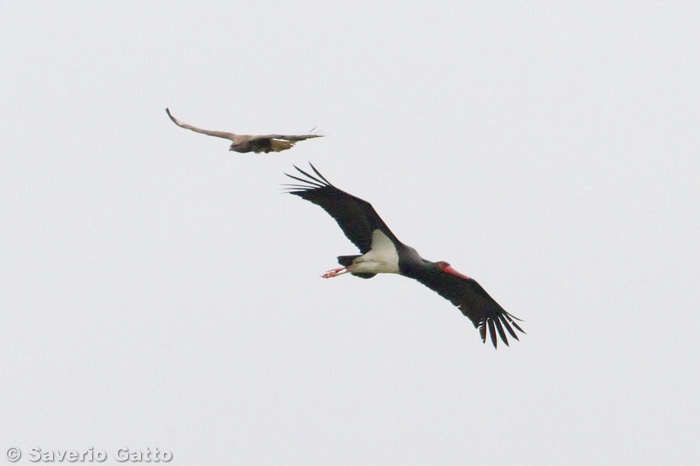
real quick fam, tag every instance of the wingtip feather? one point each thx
(311, 176)
(502, 334)
(318, 173)
(492, 332)
(508, 327)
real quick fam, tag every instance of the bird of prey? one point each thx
(382, 252)
(247, 143)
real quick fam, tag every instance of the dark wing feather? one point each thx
(269, 144)
(357, 218)
(475, 303)
(218, 134)
(276, 142)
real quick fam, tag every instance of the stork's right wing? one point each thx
(356, 217)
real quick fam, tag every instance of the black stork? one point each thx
(382, 252)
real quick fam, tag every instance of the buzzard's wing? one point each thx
(277, 142)
(218, 134)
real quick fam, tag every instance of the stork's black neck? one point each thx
(411, 264)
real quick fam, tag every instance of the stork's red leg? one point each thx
(335, 272)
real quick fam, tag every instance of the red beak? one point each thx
(452, 271)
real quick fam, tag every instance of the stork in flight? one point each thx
(246, 143)
(382, 252)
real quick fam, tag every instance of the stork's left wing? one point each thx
(475, 303)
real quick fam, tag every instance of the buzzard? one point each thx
(246, 143)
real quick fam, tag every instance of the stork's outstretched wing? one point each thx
(475, 303)
(356, 217)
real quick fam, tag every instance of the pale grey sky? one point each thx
(160, 291)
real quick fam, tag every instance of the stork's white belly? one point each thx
(382, 258)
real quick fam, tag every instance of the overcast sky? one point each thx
(159, 291)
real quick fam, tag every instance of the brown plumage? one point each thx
(247, 143)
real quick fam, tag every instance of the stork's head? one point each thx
(445, 267)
